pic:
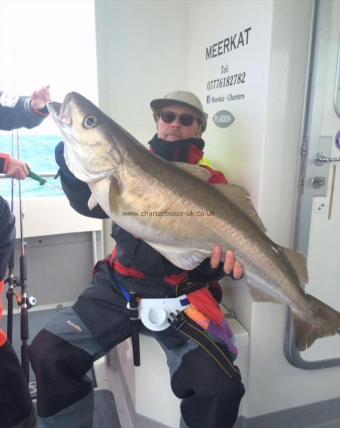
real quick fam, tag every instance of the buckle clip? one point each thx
(177, 320)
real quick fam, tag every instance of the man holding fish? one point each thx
(197, 340)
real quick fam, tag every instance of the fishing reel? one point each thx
(31, 301)
(13, 282)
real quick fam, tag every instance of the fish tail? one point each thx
(325, 321)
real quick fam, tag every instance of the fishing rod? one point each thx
(11, 280)
(23, 301)
(41, 178)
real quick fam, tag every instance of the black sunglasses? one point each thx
(185, 119)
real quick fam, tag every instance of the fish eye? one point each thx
(90, 121)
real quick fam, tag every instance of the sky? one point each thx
(48, 42)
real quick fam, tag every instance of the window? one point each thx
(44, 43)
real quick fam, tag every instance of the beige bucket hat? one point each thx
(185, 98)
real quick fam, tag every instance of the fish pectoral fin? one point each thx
(92, 202)
(195, 170)
(241, 198)
(261, 296)
(298, 261)
(184, 258)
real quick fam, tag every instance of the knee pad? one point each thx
(60, 370)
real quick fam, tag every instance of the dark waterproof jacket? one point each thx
(143, 269)
(20, 115)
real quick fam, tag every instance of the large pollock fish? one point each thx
(171, 207)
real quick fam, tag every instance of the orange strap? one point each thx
(205, 303)
(197, 316)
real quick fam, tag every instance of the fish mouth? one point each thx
(61, 113)
(54, 108)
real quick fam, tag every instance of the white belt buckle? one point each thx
(154, 313)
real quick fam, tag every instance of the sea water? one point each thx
(38, 152)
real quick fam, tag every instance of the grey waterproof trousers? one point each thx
(64, 351)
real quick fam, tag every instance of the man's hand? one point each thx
(16, 168)
(231, 265)
(40, 98)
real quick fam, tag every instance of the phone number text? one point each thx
(222, 82)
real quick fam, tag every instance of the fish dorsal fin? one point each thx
(195, 170)
(260, 296)
(240, 197)
(235, 193)
(298, 262)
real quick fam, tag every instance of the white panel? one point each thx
(142, 51)
(51, 216)
(235, 80)
(153, 380)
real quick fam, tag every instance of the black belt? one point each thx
(186, 288)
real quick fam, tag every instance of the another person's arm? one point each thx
(12, 167)
(28, 112)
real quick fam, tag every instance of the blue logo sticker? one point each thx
(223, 118)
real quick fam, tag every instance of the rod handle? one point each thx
(36, 177)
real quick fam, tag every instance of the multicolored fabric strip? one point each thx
(205, 311)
